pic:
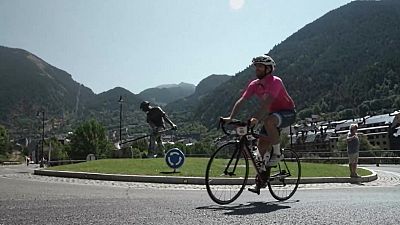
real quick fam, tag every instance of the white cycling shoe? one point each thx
(274, 160)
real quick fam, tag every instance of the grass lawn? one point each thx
(195, 167)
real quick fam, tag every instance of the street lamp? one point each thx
(120, 118)
(41, 154)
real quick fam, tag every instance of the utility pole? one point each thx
(41, 154)
(120, 118)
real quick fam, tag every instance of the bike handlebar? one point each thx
(237, 123)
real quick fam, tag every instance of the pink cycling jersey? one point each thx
(270, 86)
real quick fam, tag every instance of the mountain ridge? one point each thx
(342, 65)
(164, 94)
(29, 84)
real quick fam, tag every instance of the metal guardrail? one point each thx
(374, 153)
(366, 156)
(375, 156)
(337, 154)
(63, 162)
(339, 158)
(10, 162)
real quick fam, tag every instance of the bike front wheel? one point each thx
(285, 176)
(226, 174)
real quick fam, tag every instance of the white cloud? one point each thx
(236, 4)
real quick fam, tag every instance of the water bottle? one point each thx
(257, 157)
(256, 153)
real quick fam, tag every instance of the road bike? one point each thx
(227, 171)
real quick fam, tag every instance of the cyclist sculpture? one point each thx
(277, 110)
(155, 118)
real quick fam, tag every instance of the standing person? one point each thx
(156, 118)
(277, 110)
(353, 146)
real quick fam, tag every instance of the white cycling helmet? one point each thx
(265, 60)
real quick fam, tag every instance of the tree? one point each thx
(58, 150)
(5, 145)
(364, 144)
(307, 112)
(363, 109)
(90, 138)
(316, 109)
(347, 113)
(396, 103)
(324, 106)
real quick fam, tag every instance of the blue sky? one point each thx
(138, 44)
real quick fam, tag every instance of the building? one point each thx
(379, 129)
(321, 138)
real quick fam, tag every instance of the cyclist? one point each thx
(277, 109)
(156, 118)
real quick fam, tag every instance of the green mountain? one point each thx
(28, 84)
(110, 100)
(167, 93)
(209, 84)
(347, 61)
(184, 107)
(106, 106)
(344, 64)
(182, 84)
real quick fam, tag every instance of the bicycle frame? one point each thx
(118, 144)
(244, 148)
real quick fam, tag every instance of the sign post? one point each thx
(174, 158)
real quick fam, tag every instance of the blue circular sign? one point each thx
(174, 158)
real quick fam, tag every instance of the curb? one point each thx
(190, 180)
(10, 163)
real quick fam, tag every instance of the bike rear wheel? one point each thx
(226, 174)
(285, 177)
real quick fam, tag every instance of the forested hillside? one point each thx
(205, 86)
(167, 93)
(344, 64)
(28, 84)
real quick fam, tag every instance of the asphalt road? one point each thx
(31, 199)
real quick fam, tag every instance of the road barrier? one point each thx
(10, 162)
(366, 157)
(64, 162)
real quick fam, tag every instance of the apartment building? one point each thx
(322, 137)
